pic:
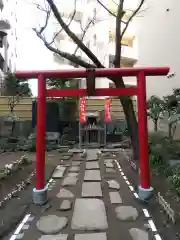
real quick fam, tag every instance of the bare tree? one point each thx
(121, 26)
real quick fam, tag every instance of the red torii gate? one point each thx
(145, 190)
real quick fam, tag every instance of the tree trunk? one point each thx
(155, 125)
(174, 130)
(169, 126)
(131, 120)
(170, 130)
(13, 128)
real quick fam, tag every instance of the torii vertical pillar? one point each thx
(40, 192)
(145, 191)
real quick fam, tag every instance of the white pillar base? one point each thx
(145, 194)
(40, 196)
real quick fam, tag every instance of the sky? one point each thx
(31, 52)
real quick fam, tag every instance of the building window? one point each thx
(94, 40)
(94, 13)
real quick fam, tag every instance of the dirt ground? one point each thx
(9, 157)
(15, 208)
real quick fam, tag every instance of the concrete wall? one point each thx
(23, 110)
(158, 40)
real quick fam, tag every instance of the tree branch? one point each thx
(132, 16)
(68, 56)
(71, 34)
(109, 11)
(120, 14)
(84, 32)
(69, 23)
(102, 5)
(48, 13)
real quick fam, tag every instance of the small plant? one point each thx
(10, 168)
(24, 160)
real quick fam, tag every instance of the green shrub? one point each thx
(158, 154)
(161, 150)
(175, 180)
(173, 148)
(32, 145)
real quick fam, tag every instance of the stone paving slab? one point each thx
(66, 205)
(126, 213)
(70, 181)
(110, 170)
(63, 149)
(67, 154)
(54, 237)
(91, 236)
(91, 189)
(59, 172)
(109, 163)
(110, 150)
(91, 155)
(92, 165)
(115, 198)
(138, 234)
(72, 174)
(75, 150)
(89, 214)
(64, 193)
(113, 184)
(74, 169)
(51, 224)
(92, 175)
(76, 163)
(64, 157)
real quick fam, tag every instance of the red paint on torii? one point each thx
(139, 91)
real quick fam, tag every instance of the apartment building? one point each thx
(158, 38)
(12, 34)
(8, 38)
(100, 36)
(4, 28)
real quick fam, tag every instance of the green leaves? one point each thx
(155, 107)
(63, 83)
(174, 119)
(13, 87)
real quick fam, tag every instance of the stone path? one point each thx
(88, 200)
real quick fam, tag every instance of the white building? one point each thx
(12, 34)
(159, 43)
(4, 30)
(99, 36)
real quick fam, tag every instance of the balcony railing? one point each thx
(127, 53)
(4, 24)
